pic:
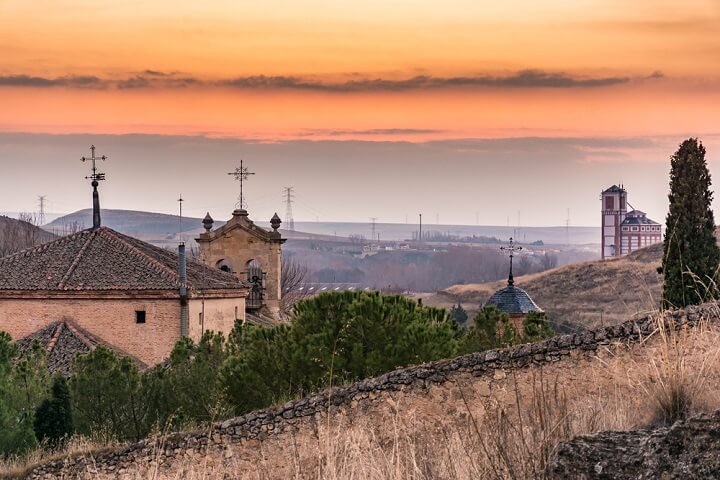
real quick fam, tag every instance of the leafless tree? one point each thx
(548, 261)
(16, 235)
(292, 278)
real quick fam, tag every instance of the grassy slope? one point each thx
(7, 223)
(581, 294)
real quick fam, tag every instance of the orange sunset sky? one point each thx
(457, 100)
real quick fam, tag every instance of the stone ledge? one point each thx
(688, 449)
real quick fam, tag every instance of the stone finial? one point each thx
(208, 222)
(275, 222)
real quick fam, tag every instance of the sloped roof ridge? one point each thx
(43, 246)
(76, 261)
(112, 235)
(55, 336)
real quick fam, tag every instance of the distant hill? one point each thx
(585, 294)
(17, 235)
(130, 222)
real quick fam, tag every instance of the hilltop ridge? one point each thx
(581, 295)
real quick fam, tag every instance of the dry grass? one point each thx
(18, 467)
(677, 377)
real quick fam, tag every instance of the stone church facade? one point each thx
(250, 252)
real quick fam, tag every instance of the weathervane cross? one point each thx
(511, 248)
(241, 174)
(95, 176)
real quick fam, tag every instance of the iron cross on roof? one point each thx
(241, 174)
(511, 248)
(95, 176)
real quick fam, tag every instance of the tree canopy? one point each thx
(691, 255)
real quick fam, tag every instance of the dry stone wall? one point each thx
(272, 422)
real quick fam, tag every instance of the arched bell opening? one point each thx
(255, 278)
(225, 266)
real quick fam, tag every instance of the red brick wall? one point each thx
(113, 320)
(219, 315)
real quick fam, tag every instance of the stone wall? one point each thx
(572, 356)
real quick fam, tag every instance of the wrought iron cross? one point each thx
(511, 248)
(95, 177)
(241, 174)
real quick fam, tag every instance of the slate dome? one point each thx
(513, 301)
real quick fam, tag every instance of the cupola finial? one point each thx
(96, 177)
(511, 249)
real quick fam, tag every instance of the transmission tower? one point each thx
(567, 227)
(289, 195)
(41, 214)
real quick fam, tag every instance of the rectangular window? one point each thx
(139, 316)
(609, 203)
(200, 319)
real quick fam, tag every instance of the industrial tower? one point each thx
(289, 195)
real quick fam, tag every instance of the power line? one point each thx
(289, 194)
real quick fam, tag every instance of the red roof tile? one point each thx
(103, 259)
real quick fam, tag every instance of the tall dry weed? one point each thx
(676, 375)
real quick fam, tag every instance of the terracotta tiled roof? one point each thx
(103, 259)
(636, 217)
(63, 341)
(614, 189)
(513, 301)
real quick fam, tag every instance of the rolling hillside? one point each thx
(144, 225)
(587, 294)
(17, 235)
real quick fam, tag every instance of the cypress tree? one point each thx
(54, 422)
(691, 255)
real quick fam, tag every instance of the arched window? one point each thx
(224, 265)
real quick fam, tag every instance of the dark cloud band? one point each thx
(527, 79)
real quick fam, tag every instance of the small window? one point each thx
(140, 316)
(200, 318)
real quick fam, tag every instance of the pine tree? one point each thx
(536, 326)
(459, 314)
(691, 256)
(54, 422)
(492, 329)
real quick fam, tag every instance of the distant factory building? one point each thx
(622, 231)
